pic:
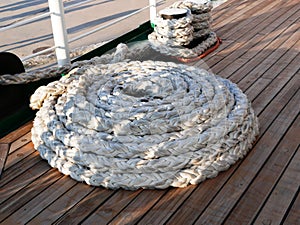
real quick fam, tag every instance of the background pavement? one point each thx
(25, 40)
(29, 38)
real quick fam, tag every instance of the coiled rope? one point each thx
(193, 31)
(174, 32)
(144, 124)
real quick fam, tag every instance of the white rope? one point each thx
(50, 57)
(200, 12)
(174, 32)
(181, 51)
(121, 54)
(196, 26)
(142, 124)
(193, 6)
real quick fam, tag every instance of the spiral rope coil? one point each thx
(195, 27)
(144, 124)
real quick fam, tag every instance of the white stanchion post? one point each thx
(59, 32)
(152, 4)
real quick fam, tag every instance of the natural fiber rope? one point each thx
(201, 15)
(50, 57)
(142, 124)
(174, 32)
(197, 26)
(194, 7)
(182, 51)
(122, 52)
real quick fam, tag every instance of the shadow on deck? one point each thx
(260, 52)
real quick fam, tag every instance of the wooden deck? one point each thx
(260, 52)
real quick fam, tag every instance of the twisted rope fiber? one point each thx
(174, 32)
(170, 37)
(50, 57)
(122, 54)
(194, 7)
(201, 16)
(180, 51)
(142, 124)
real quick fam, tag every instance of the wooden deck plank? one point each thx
(137, 208)
(222, 10)
(252, 37)
(293, 66)
(280, 89)
(257, 87)
(269, 114)
(249, 18)
(110, 209)
(24, 139)
(251, 54)
(251, 202)
(259, 65)
(257, 25)
(196, 203)
(4, 149)
(85, 207)
(18, 168)
(16, 199)
(19, 155)
(56, 186)
(185, 214)
(61, 205)
(293, 54)
(271, 85)
(257, 75)
(241, 14)
(282, 195)
(167, 205)
(294, 215)
(17, 133)
(225, 200)
(26, 178)
(260, 53)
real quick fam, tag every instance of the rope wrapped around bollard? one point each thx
(189, 37)
(144, 124)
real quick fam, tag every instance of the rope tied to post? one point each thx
(193, 30)
(121, 54)
(144, 124)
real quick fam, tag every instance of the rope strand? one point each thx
(173, 36)
(142, 124)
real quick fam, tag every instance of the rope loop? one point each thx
(191, 38)
(144, 124)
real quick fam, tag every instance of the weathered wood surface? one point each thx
(260, 52)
